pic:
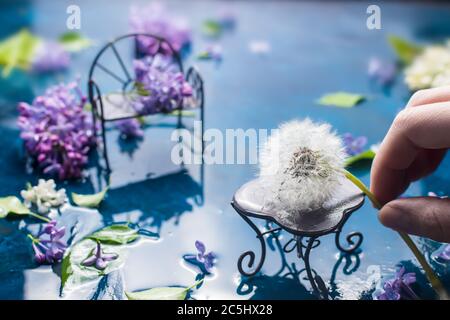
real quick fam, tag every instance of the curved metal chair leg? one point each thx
(249, 253)
(354, 241)
(105, 150)
(317, 284)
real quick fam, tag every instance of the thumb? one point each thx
(424, 216)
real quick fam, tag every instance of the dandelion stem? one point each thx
(32, 214)
(432, 277)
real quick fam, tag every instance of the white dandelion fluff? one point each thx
(301, 164)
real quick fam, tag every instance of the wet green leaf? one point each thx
(405, 50)
(74, 274)
(184, 113)
(74, 41)
(212, 28)
(341, 99)
(115, 234)
(163, 293)
(89, 200)
(17, 51)
(12, 205)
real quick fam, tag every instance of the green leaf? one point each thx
(162, 293)
(74, 274)
(406, 51)
(140, 89)
(366, 155)
(13, 205)
(205, 55)
(89, 200)
(212, 28)
(184, 113)
(74, 41)
(17, 51)
(341, 99)
(115, 234)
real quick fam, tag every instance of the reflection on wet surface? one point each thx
(185, 204)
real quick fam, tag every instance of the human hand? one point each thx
(413, 148)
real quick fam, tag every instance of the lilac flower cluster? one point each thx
(353, 145)
(58, 133)
(202, 259)
(399, 287)
(153, 19)
(99, 259)
(50, 56)
(161, 87)
(129, 128)
(48, 247)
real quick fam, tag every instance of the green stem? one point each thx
(432, 277)
(32, 214)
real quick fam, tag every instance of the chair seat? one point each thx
(117, 106)
(251, 200)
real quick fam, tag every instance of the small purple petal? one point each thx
(100, 264)
(38, 255)
(200, 246)
(90, 261)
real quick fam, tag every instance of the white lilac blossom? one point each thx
(129, 128)
(161, 87)
(381, 71)
(302, 163)
(154, 19)
(57, 131)
(429, 69)
(50, 56)
(44, 195)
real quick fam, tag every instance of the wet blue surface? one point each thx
(316, 48)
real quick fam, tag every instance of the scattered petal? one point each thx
(259, 47)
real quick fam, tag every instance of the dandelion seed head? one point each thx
(301, 164)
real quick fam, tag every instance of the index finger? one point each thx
(413, 129)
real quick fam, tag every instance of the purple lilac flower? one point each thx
(383, 72)
(203, 259)
(99, 259)
(48, 247)
(445, 254)
(399, 287)
(58, 133)
(129, 128)
(161, 86)
(153, 19)
(353, 145)
(50, 56)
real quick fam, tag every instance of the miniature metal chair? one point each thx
(117, 105)
(306, 229)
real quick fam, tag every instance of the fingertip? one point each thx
(393, 215)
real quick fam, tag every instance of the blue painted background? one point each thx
(316, 48)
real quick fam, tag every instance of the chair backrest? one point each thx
(113, 65)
